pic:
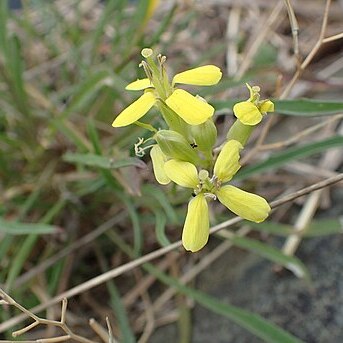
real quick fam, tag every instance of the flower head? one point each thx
(158, 90)
(244, 204)
(250, 112)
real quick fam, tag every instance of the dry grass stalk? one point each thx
(6, 299)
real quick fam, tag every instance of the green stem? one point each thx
(240, 132)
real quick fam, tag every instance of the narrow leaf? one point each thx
(308, 107)
(162, 200)
(93, 160)
(316, 228)
(160, 228)
(290, 262)
(324, 227)
(281, 158)
(15, 228)
(87, 91)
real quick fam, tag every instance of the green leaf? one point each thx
(4, 13)
(161, 199)
(25, 248)
(289, 262)
(324, 227)
(316, 228)
(93, 160)
(308, 107)
(277, 229)
(15, 228)
(87, 91)
(160, 228)
(281, 158)
(299, 107)
(136, 225)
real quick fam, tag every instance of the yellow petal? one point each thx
(247, 113)
(202, 76)
(135, 111)
(158, 159)
(246, 205)
(139, 85)
(227, 165)
(191, 109)
(182, 173)
(267, 106)
(196, 229)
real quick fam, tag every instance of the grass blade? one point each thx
(322, 227)
(275, 255)
(161, 198)
(284, 157)
(160, 228)
(92, 160)
(15, 228)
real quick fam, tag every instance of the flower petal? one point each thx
(196, 229)
(139, 85)
(202, 76)
(267, 106)
(191, 109)
(227, 164)
(246, 205)
(135, 111)
(182, 173)
(158, 159)
(247, 113)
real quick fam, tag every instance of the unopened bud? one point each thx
(174, 145)
(205, 135)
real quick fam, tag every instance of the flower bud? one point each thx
(205, 135)
(174, 145)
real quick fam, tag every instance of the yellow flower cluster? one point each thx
(183, 153)
(246, 205)
(250, 112)
(193, 110)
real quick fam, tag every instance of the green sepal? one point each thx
(174, 145)
(204, 135)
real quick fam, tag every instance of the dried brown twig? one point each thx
(313, 52)
(7, 300)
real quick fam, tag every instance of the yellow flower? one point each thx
(193, 110)
(244, 204)
(251, 111)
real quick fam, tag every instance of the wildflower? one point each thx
(250, 112)
(159, 91)
(244, 204)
